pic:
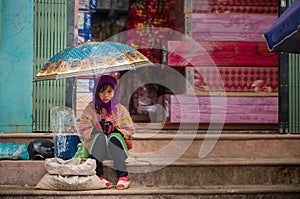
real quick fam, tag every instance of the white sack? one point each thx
(73, 166)
(57, 182)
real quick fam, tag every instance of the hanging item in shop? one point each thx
(87, 5)
(284, 34)
(92, 58)
(84, 27)
(151, 16)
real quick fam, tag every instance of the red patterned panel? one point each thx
(228, 6)
(220, 53)
(256, 80)
(224, 27)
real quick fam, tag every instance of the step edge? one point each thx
(134, 161)
(218, 136)
(168, 136)
(14, 190)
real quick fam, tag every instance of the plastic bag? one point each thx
(62, 120)
(65, 137)
(65, 146)
(81, 151)
(14, 151)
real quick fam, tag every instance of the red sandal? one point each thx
(123, 183)
(107, 183)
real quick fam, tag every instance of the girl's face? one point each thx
(107, 94)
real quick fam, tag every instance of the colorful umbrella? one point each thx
(284, 34)
(92, 58)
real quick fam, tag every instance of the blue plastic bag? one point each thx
(65, 146)
(14, 151)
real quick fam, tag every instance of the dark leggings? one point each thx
(116, 151)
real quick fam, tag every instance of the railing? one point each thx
(50, 37)
(289, 90)
(294, 93)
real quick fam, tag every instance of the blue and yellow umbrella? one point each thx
(92, 58)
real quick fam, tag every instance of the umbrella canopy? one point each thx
(92, 58)
(284, 34)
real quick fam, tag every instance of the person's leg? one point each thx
(99, 152)
(119, 153)
(99, 147)
(99, 167)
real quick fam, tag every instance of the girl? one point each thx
(107, 128)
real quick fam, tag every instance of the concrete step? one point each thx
(172, 163)
(147, 172)
(203, 192)
(253, 145)
(189, 144)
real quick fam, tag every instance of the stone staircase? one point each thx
(165, 163)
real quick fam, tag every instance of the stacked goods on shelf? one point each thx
(220, 53)
(205, 109)
(235, 81)
(227, 57)
(228, 6)
(224, 27)
(228, 15)
(246, 68)
(86, 7)
(84, 27)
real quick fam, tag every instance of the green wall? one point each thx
(16, 65)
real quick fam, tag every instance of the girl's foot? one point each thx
(123, 183)
(107, 183)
